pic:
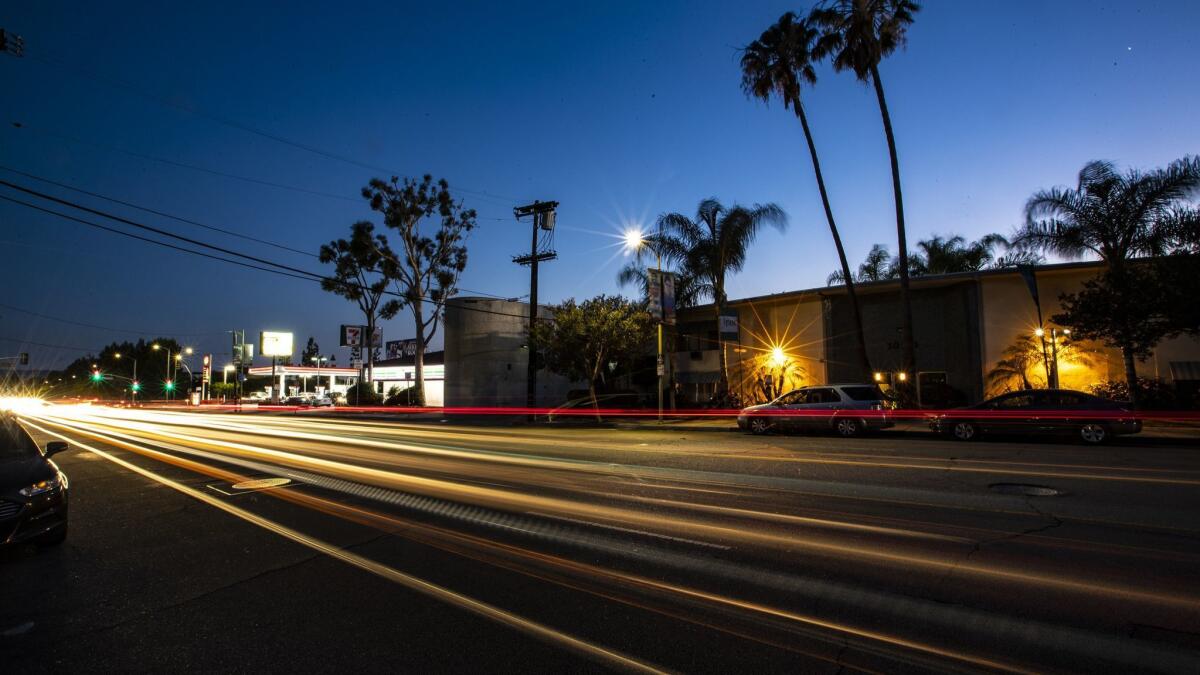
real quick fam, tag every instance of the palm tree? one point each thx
(714, 244)
(780, 62)
(876, 267)
(1114, 216)
(857, 34)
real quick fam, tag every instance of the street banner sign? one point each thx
(397, 349)
(376, 337)
(729, 325)
(660, 295)
(206, 372)
(271, 343)
(352, 336)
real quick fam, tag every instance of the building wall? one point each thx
(486, 356)
(961, 323)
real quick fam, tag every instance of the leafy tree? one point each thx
(1116, 217)
(1024, 364)
(943, 255)
(359, 275)
(427, 265)
(583, 338)
(311, 349)
(715, 244)
(780, 63)
(857, 35)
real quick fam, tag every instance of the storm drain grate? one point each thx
(1024, 490)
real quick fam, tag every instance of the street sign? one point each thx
(660, 295)
(729, 325)
(356, 354)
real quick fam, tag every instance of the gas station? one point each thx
(308, 379)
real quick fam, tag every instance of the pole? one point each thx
(274, 383)
(1054, 358)
(133, 392)
(660, 366)
(531, 377)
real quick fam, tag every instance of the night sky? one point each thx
(619, 111)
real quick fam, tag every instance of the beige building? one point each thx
(975, 337)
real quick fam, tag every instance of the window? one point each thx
(1015, 401)
(864, 393)
(823, 396)
(13, 439)
(792, 398)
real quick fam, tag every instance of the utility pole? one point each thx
(11, 44)
(543, 217)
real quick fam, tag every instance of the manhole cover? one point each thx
(261, 483)
(1024, 490)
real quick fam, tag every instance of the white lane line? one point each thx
(590, 523)
(603, 654)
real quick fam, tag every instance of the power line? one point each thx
(108, 328)
(158, 213)
(155, 230)
(243, 127)
(304, 275)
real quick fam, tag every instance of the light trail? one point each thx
(709, 531)
(538, 630)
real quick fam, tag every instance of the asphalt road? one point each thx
(442, 547)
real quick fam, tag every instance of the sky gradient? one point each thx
(619, 111)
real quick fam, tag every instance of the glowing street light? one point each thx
(777, 356)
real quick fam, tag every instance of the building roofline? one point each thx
(916, 281)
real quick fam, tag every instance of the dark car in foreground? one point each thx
(1057, 412)
(33, 492)
(848, 409)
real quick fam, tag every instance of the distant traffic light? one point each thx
(169, 385)
(96, 376)
(135, 387)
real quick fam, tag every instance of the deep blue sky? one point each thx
(620, 111)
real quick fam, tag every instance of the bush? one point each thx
(401, 397)
(362, 394)
(1153, 394)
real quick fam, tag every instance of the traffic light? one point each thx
(135, 387)
(96, 376)
(169, 385)
(23, 358)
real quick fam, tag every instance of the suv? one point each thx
(848, 409)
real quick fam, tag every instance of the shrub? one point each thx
(362, 394)
(1152, 394)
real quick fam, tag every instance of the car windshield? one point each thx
(866, 392)
(14, 442)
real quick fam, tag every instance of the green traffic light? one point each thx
(135, 387)
(169, 386)
(96, 376)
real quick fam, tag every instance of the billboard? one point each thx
(397, 349)
(271, 343)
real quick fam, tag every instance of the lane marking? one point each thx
(480, 608)
(629, 530)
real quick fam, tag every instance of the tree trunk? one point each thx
(863, 360)
(419, 357)
(1131, 375)
(723, 382)
(908, 345)
(368, 369)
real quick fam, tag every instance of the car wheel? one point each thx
(1093, 434)
(964, 431)
(759, 426)
(847, 427)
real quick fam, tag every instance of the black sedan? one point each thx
(1060, 412)
(33, 492)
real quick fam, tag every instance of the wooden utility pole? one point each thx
(543, 217)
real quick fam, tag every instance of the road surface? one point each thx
(248, 542)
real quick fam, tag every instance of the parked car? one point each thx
(321, 402)
(848, 409)
(33, 492)
(1060, 412)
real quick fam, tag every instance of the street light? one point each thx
(317, 360)
(635, 241)
(777, 356)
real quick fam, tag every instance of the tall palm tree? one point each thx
(780, 63)
(1114, 216)
(715, 244)
(857, 34)
(876, 267)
